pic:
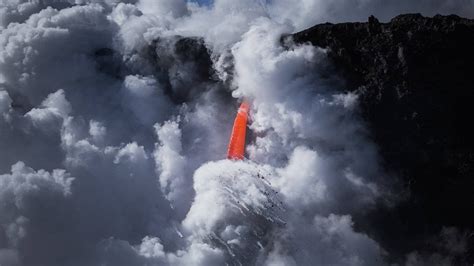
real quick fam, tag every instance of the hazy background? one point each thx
(112, 139)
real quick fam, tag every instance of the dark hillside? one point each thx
(415, 78)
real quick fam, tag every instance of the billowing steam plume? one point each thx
(114, 130)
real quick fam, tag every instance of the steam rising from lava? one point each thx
(111, 138)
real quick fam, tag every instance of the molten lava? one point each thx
(236, 147)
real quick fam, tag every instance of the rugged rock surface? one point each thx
(415, 78)
(178, 62)
(181, 63)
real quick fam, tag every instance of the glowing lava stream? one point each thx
(236, 147)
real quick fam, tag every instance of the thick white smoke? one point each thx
(138, 131)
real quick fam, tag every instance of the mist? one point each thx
(115, 118)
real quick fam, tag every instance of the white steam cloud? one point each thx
(99, 90)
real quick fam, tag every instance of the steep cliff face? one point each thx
(415, 79)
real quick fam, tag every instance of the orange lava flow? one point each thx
(236, 147)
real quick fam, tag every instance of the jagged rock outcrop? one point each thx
(181, 63)
(415, 79)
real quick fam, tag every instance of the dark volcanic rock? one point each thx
(182, 64)
(415, 78)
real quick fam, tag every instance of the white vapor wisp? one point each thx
(111, 141)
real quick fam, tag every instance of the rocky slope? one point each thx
(415, 78)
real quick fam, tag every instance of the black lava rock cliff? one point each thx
(415, 79)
